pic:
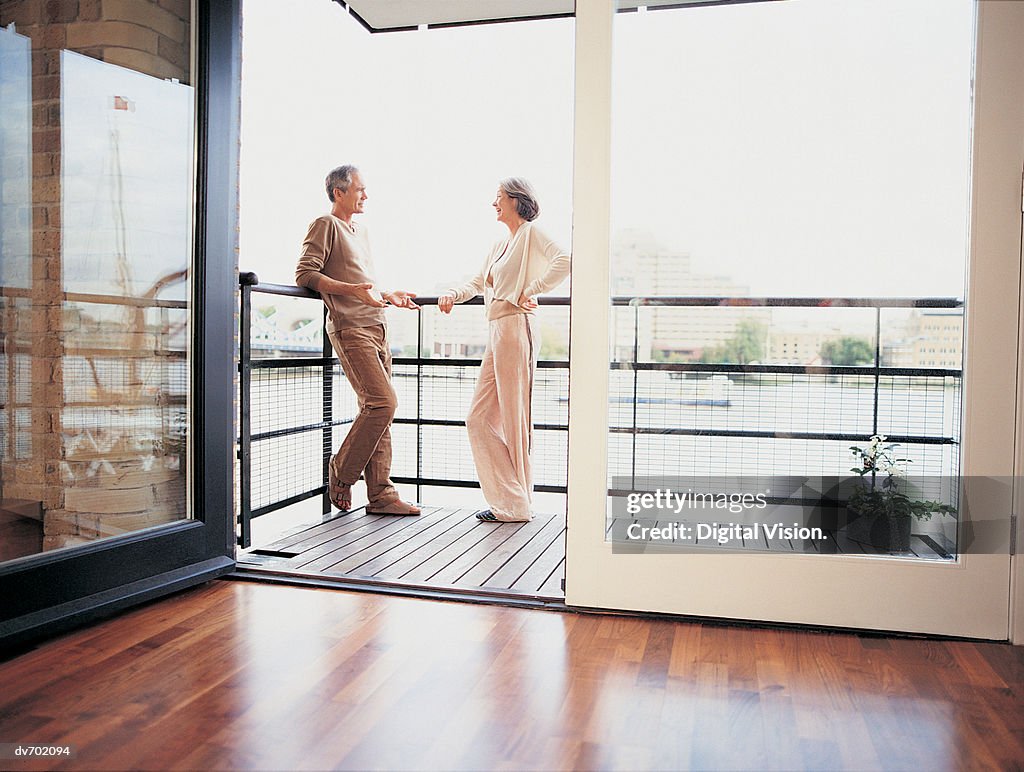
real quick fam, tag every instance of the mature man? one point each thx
(336, 263)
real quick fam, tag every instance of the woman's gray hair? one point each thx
(524, 194)
(339, 178)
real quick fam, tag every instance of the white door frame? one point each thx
(968, 597)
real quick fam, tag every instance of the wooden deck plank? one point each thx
(708, 542)
(619, 525)
(777, 543)
(322, 533)
(524, 534)
(387, 526)
(760, 544)
(827, 545)
(534, 577)
(452, 554)
(438, 544)
(552, 586)
(398, 545)
(923, 549)
(328, 552)
(838, 544)
(493, 541)
(675, 541)
(515, 566)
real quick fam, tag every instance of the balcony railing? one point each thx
(664, 416)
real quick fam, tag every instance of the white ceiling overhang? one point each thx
(401, 15)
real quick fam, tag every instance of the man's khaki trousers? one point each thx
(366, 360)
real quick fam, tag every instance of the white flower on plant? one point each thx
(892, 469)
(885, 498)
(876, 457)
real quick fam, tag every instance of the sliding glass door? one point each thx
(116, 138)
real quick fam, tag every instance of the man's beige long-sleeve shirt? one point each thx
(342, 252)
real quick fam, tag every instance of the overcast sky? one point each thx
(804, 147)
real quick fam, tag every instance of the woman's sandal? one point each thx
(488, 516)
(396, 507)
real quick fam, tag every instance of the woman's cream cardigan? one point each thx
(532, 264)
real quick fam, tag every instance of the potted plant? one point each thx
(885, 511)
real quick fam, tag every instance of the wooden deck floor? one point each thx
(444, 548)
(447, 549)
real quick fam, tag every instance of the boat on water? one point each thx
(703, 392)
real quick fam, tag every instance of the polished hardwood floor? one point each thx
(239, 675)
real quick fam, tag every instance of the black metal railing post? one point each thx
(328, 411)
(419, 403)
(636, 387)
(246, 282)
(878, 369)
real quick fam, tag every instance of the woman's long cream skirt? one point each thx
(500, 424)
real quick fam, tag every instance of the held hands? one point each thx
(525, 301)
(400, 298)
(365, 295)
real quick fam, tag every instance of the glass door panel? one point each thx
(114, 485)
(788, 266)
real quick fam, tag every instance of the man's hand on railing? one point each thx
(400, 298)
(319, 282)
(446, 303)
(362, 293)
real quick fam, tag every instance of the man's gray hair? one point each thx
(525, 196)
(339, 178)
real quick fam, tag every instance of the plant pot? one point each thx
(881, 531)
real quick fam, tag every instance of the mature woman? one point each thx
(500, 426)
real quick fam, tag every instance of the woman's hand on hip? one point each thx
(525, 301)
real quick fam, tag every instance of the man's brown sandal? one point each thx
(396, 507)
(339, 493)
(341, 497)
